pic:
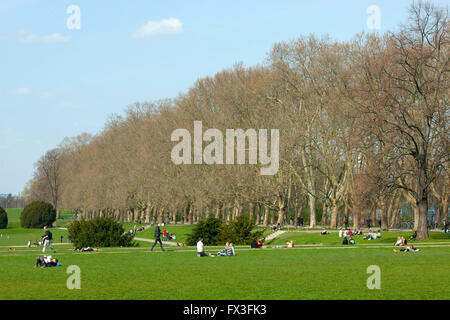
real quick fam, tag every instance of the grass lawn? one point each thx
(300, 273)
(181, 231)
(14, 235)
(318, 268)
(333, 238)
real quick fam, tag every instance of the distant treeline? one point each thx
(11, 201)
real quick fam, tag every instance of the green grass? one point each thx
(181, 231)
(334, 240)
(14, 235)
(320, 269)
(134, 273)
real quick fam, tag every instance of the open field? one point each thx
(299, 273)
(317, 268)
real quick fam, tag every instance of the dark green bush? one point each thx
(208, 229)
(37, 215)
(99, 232)
(3, 219)
(239, 231)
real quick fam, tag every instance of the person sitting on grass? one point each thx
(413, 236)
(351, 240)
(180, 244)
(224, 252)
(345, 241)
(290, 244)
(260, 244)
(371, 236)
(47, 261)
(357, 232)
(399, 242)
(200, 248)
(405, 247)
(324, 232)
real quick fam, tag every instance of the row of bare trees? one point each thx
(363, 127)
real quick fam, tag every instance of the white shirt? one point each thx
(199, 246)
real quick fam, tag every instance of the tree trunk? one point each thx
(266, 216)
(334, 213)
(324, 213)
(422, 230)
(251, 211)
(312, 211)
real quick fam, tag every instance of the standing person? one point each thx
(445, 226)
(346, 222)
(164, 234)
(62, 238)
(200, 248)
(379, 223)
(47, 237)
(157, 237)
(369, 222)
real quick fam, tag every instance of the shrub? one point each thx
(37, 215)
(99, 232)
(239, 231)
(208, 229)
(3, 219)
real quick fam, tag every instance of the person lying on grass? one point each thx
(407, 249)
(88, 249)
(373, 236)
(47, 261)
(324, 232)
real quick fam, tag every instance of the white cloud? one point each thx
(68, 105)
(22, 91)
(51, 38)
(55, 37)
(45, 95)
(154, 28)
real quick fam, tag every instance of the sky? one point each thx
(66, 66)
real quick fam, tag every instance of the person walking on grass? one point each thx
(47, 237)
(157, 237)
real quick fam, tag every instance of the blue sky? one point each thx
(57, 82)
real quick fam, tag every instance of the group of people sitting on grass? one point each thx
(373, 235)
(349, 233)
(403, 243)
(228, 251)
(348, 240)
